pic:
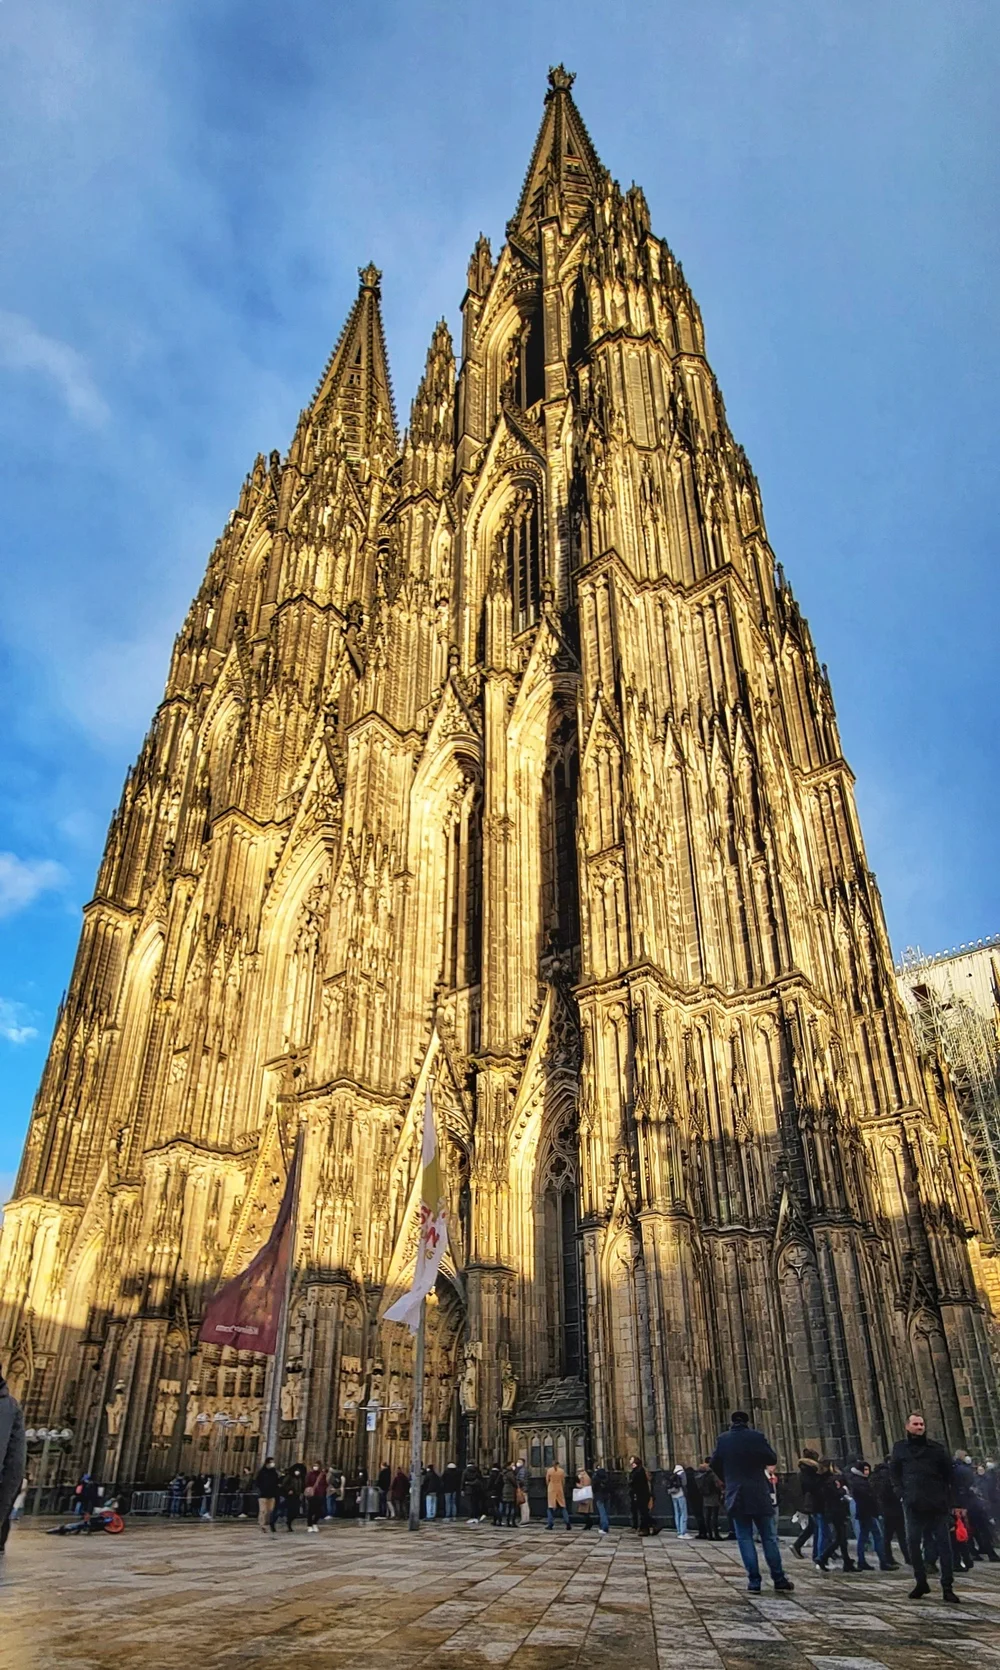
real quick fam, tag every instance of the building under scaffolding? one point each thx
(953, 999)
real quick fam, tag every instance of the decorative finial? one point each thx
(370, 277)
(560, 78)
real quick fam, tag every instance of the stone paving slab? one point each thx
(167, 1596)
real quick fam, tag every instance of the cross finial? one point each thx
(370, 277)
(560, 78)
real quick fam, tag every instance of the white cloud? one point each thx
(25, 348)
(22, 879)
(14, 1024)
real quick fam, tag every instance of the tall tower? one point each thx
(500, 757)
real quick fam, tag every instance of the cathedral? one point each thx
(496, 756)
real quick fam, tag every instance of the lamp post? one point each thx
(222, 1423)
(372, 1411)
(45, 1436)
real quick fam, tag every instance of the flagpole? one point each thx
(417, 1423)
(281, 1344)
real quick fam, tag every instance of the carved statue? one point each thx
(468, 1385)
(291, 1397)
(508, 1385)
(115, 1410)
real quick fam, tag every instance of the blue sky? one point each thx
(187, 189)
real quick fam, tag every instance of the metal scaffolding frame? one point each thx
(969, 1041)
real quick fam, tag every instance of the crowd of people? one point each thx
(941, 1509)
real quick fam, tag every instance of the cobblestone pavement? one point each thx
(197, 1597)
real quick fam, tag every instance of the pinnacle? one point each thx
(355, 385)
(565, 171)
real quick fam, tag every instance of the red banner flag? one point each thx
(247, 1311)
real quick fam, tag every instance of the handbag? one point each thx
(583, 1493)
(520, 1498)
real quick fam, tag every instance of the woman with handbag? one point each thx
(583, 1498)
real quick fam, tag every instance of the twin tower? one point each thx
(499, 757)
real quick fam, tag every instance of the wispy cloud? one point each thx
(22, 879)
(14, 1025)
(23, 347)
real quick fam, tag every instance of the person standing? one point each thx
(678, 1499)
(475, 1494)
(268, 1491)
(432, 1490)
(600, 1484)
(809, 1492)
(13, 1456)
(510, 1495)
(859, 1482)
(494, 1490)
(741, 1456)
(640, 1495)
(965, 1485)
(291, 1489)
(834, 1507)
(383, 1481)
(920, 1469)
(583, 1497)
(555, 1496)
(692, 1490)
(979, 1517)
(399, 1494)
(451, 1481)
(890, 1512)
(709, 1487)
(315, 1496)
(523, 1505)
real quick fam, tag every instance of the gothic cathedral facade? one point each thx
(499, 758)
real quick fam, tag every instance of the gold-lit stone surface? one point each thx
(219, 1595)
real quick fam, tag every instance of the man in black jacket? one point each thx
(741, 1456)
(920, 1468)
(13, 1456)
(268, 1494)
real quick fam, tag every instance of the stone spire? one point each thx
(355, 391)
(564, 171)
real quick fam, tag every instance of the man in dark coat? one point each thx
(14, 1455)
(920, 1468)
(640, 1493)
(451, 1482)
(810, 1493)
(268, 1494)
(710, 1496)
(741, 1455)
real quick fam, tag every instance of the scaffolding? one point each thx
(966, 1035)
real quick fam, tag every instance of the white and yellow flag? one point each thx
(433, 1235)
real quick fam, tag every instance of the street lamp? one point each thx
(45, 1436)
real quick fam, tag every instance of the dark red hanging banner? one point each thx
(246, 1312)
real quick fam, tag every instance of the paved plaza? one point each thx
(193, 1597)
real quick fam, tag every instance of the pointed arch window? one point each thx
(561, 909)
(464, 886)
(562, 1254)
(522, 377)
(521, 542)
